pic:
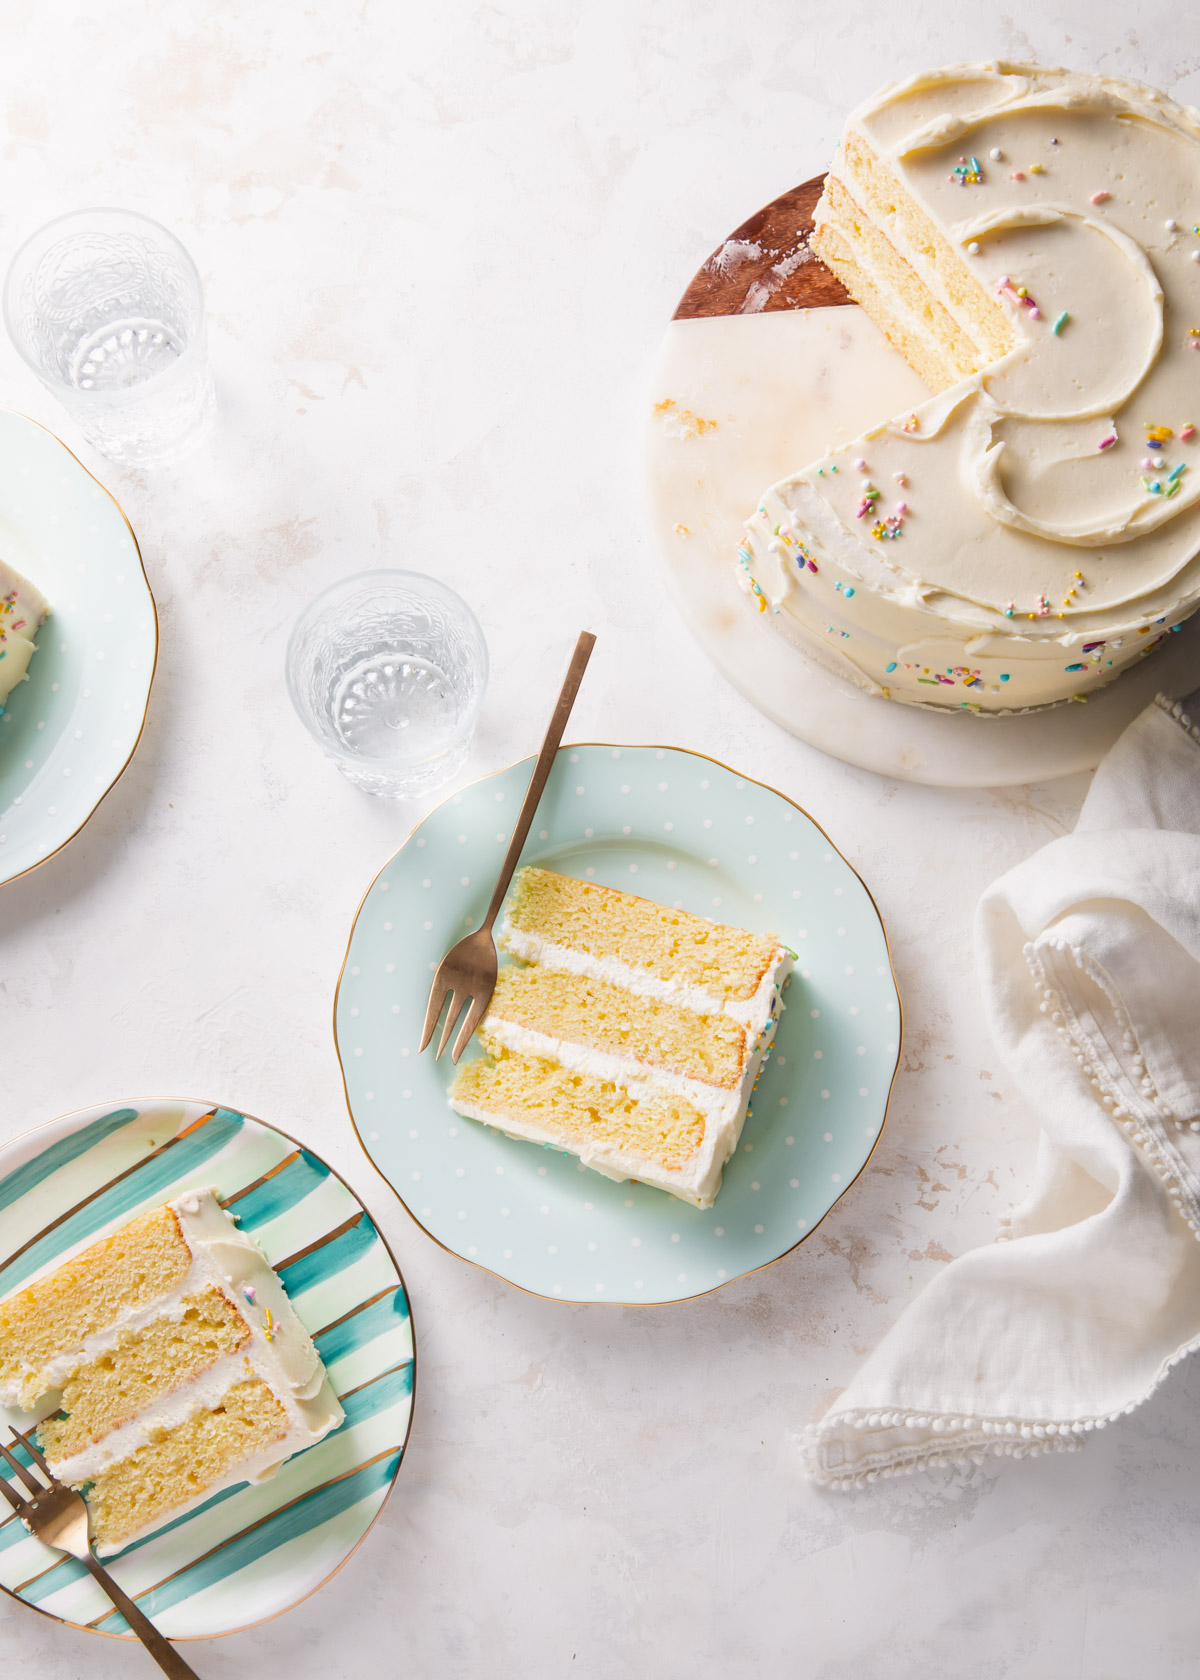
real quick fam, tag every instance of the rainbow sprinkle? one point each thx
(1019, 294)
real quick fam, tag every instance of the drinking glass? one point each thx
(108, 310)
(387, 672)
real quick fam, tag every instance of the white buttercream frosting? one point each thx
(723, 1108)
(751, 1013)
(23, 609)
(1045, 541)
(279, 1351)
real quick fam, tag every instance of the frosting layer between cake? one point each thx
(171, 1364)
(1028, 238)
(613, 1090)
(279, 1350)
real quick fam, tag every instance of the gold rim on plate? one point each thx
(195, 1638)
(625, 746)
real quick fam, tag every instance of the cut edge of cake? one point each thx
(621, 1107)
(917, 634)
(915, 286)
(140, 1293)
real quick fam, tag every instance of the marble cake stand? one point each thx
(765, 365)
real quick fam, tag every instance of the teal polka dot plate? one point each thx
(69, 730)
(250, 1552)
(676, 827)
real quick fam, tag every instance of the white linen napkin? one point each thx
(1089, 956)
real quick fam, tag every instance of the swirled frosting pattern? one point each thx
(1026, 533)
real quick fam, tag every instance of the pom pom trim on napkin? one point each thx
(1090, 963)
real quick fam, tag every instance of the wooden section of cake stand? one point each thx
(767, 363)
(766, 264)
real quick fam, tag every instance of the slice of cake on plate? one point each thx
(175, 1362)
(631, 1037)
(23, 610)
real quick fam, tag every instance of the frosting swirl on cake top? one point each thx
(1028, 238)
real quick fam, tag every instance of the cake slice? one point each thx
(172, 1363)
(23, 610)
(632, 1038)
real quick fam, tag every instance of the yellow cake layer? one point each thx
(144, 1489)
(709, 1048)
(925, 359)
(858, 252)
(139, 1263)
(670, 944)
(144, 1366)
(857, 211)
(879, 193)
(578, 1110)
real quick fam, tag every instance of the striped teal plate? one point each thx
(682, 829)
(251, 1552)
(70, 729)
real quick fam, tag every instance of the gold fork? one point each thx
(467, 973)
(57, 1516)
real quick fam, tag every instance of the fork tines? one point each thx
(442, 987)
(24, 1474)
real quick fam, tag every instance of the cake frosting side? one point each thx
(23, 610)
(279, 1350)
(1029, 238)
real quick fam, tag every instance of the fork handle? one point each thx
(541, 770)
(163, 1652)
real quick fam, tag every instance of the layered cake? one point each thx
(1028, 240)
(23, 610)
(628, 1033)
(174, 1364)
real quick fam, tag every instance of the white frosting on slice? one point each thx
(280, 1352)
(751, 1013)
(712, 1100)
(724, 1110)
(698, 1180)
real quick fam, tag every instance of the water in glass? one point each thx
(387, 670)
(108, 310)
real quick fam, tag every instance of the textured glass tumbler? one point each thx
(387, 671)
(108, 310)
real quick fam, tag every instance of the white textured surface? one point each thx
(440, 244)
